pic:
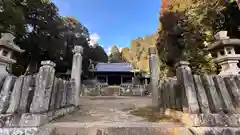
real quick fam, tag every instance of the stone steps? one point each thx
(134, 128)
(118, 128)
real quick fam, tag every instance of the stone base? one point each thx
(18, 131)
(27, 131)
(206, 120)
(122, 131)
(215, 131)
(147, 131)
(9, 120)
(111, 91)
(32, 120)
(36, 120)
(91, 92)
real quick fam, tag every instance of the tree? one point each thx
(45, 35)
(12, 18)
(98, 54)
(231, 22)
(115, 56)
(44, 38)
(77, 34)
(185, 26)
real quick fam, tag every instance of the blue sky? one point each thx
(114, 22)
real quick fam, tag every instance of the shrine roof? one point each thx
(114, 67)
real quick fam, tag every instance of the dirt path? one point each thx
(111, 116)
(108, 110)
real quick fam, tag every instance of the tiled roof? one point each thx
(113, 67)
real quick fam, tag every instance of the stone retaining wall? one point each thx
(201, 101)
(29, 101)
(122, 90)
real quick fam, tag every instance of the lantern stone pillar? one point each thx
(224, 55)
(154, 76)
(7, 48)
(77, 71)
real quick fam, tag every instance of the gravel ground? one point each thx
(107, 109)
(111, 116)
(98, 110)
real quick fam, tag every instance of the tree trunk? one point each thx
(32, 67)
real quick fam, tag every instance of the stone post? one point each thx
(77, 71)
(44, 87)
(153, 76)
(185, 80)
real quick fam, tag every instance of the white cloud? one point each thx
(120, 49)
(94, 38)
(108, 50)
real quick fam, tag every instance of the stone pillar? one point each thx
(185, 80)
(44, 87)
(77, 71)
(154, 76)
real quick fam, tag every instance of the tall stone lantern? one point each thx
(7, 50)
(224, 53)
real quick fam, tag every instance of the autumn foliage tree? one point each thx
(186, 25)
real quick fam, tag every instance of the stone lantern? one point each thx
(7, 50)
(223, 51)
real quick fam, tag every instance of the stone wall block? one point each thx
(185, 79)
(234, 91)
(5, 93)
(45, 81)
(201, 94)
(207, 120)
(161, 97)
(59, 94)
(237, 79)
(73, 92)
(212, 94)
(2, 79)
(178, 97)
(64, 94)
(223, 92)
(233, 120)
(69, 93)
(16, 95)
(221, 119)
(166, 94)
(172, 83)
(27, 88)
(54, 94)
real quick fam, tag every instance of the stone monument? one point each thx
(77, 71)
(7, 48)
(153, 75)
(224, 54)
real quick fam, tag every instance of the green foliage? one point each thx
(231, 21)
(185, 29)
(50, 37)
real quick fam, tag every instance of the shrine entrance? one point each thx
(114, 80)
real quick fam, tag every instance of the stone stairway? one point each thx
(133, 128)
(117, 128)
